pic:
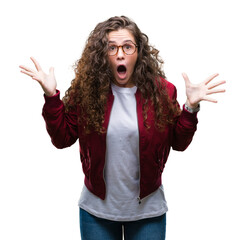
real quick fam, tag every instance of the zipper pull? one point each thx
(139, 200)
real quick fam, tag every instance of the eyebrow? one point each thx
(125, 41)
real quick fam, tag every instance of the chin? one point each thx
(123, 83)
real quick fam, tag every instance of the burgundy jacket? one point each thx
(154, 145)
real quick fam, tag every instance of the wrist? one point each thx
(51, 94)
(192, 106)
(192, 109)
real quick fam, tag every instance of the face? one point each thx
(122, 65)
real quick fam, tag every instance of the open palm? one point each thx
(47, 81)
(200, 92)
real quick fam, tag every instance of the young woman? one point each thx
(125, 114)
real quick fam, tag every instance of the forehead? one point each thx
(120, 36)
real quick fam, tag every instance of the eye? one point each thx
(127, 46)
(112, 48)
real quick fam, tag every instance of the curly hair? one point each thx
(93, 76)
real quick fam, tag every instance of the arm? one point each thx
(184, 128)
(61, 126)
(186, 123)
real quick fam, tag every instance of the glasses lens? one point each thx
(129, 48)
(112, 50)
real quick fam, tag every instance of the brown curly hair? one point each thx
(93, 76)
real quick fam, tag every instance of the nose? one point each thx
(120, 53)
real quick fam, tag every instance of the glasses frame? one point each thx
(121, 46)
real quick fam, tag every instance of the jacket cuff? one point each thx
(52, 101)
(188, 115)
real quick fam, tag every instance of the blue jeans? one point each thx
(94, 228)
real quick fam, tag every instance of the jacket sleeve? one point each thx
(61, 126)
(184, 127)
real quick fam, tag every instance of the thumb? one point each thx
(187, 81)
(51, 71)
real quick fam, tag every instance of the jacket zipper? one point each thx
(138, 198)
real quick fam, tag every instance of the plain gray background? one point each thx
(40, 185)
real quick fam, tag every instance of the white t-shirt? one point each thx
(122, 168)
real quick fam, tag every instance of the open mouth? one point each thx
(121, 69)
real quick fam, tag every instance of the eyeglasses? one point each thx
(128, 48)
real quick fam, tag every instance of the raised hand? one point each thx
(47, 81)
(200, 92)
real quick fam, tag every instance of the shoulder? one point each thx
(171, 89)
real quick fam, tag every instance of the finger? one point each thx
(208, 99)
(209, 79)
(216, 84)
(28, 73)
(37, 79)
(187, 81)
(27, 68)
(37, 65)
(215, 91)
